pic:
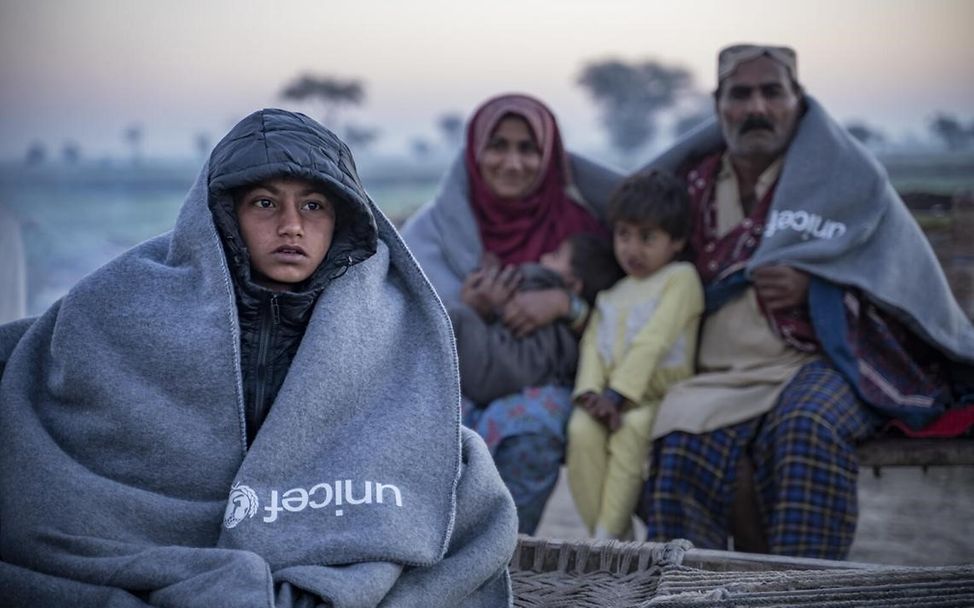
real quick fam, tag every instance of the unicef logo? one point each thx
(340, 495)
(241, 505)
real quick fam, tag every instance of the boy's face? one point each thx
(287, 224)
(642, 249)
(560, 261)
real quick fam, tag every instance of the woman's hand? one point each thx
(780, 287)
(487, 289)
(529, 310)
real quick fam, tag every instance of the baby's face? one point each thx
(560, 261)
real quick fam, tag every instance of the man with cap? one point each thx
(827, 314)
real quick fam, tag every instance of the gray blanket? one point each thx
(124, 473)
(835, 215)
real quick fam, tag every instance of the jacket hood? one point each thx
(274, 143)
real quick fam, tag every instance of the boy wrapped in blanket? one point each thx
(258, 408)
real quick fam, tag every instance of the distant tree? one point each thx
(420, 146)
(330, 92)
(71, 152)
(951, 131)
(36, 154)
(133, 135)
(360, 136)
(203, 144)
(866, 134)
(451, 127)
(630, 97)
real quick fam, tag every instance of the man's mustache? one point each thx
(755, 122)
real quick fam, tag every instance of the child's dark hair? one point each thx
(594, 263)
(653, 197)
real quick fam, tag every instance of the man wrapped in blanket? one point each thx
(826, 313)
(258, 408)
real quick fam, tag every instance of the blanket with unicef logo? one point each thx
(125, 478)
(835, 215)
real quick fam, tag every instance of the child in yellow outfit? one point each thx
(640, 340)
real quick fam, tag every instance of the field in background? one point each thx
(76, 218)
(943, 174)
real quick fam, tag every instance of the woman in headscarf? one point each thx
(513, 195)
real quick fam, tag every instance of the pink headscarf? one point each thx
(524, 229)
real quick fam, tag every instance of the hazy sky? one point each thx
(85, 69)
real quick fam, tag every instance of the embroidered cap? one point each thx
(732, 56)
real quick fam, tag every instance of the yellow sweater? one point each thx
(642, 336)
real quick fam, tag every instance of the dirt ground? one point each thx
(907, 516)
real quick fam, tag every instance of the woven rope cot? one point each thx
(887, 588)
(609, 574)
(601, 574)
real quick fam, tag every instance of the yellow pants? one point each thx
(606, 470)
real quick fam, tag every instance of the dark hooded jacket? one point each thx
(272, 323)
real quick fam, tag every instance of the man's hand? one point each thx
(780, 287)
(530, 310)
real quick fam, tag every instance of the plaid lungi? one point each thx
(803, 453)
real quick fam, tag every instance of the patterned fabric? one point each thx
(525, 433)
(722, 259)
(716, 256)
(805, 472)
(888, 366)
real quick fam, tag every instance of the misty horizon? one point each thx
(88, 70)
